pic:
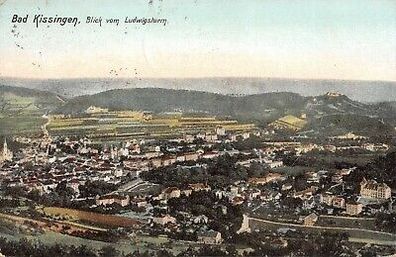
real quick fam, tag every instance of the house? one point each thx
(210, 155)
(237, 200)
(164, 219)
(310, 220)
(168, 160)
(191, 156)
(110, 199)
(270, 195)
(209, 237)
(350, 136)
(138, 202)
(339, 202)
(201, 219)
(180, 158)
(287, 186)
(374, 190)
(273, 164)
(266, 179)
(245, 135)
(211, 138)
(279, 243)
(306, 193)
(199, 187)
(232, 137)
(327, 199)
(156, 162)
(313, 177)
(188, 138)
(170, 192)
(220, 131)
(354, 208)
(94, 109)
(309, 203)
(254, 193)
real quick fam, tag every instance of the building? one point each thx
(310, 220)
(339, 202)
(266, 179)
(199, 187)
(156, 162)
(354, 208)
(333, 94)
(170, 192)
(209, 237)
(374, 190)
(272, 164)
(94, 109)
(169, 160)
(111, 199)
(349, 136)
(164, 219)
(327, 199)
(138, 202)
(191, 156)
(306, 193)
(211, 137)
(220, 131)
(6, 154)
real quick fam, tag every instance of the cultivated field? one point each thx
(108, 221)
(124, 125)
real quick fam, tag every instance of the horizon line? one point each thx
(201, 77)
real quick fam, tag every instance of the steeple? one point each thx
(6, 154)
(5, 147)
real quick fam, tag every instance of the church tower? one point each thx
(6, 155)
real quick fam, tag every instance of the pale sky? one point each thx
(338, 39)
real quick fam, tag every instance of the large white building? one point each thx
(373, 189)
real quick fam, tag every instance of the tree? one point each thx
(108, 251)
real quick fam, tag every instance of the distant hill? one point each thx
(158, 100)
(14, 100)
(335, 103)
(327, 113)
(363, 91)
(339, 124)
(21, 109)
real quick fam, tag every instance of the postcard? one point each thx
(197, 128)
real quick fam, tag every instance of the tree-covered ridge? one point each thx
(326, 114)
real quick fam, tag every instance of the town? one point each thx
(225, 185)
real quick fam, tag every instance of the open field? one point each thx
(348, 222)
(358, 234)
(124, 125)
(15, 228)
(142, 243)
(21, 112)
(108, 221)
(21, 124)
